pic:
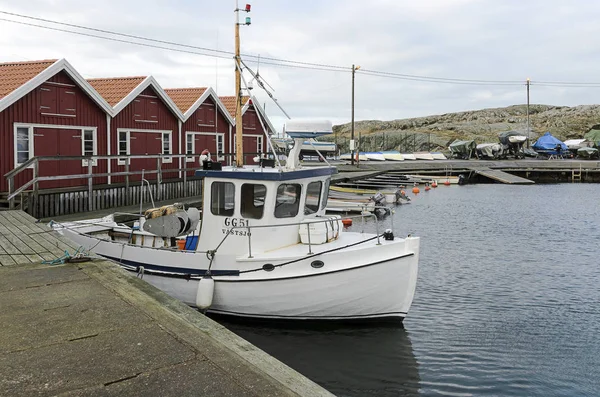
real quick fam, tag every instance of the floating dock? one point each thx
(91, 328)
(502, 176)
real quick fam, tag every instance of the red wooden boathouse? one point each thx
(255, 125)
(146, 121)
(207, 124)
(48, 109)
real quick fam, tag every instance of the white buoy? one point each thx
(206, 290)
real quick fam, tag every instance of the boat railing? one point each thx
(312, 221)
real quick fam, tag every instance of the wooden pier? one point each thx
(91, 328)
(502, 176)
(24, 241)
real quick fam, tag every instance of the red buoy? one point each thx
(347, 222)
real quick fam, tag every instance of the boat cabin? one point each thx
(260, 201)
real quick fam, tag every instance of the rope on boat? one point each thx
(78, 256)
(189, 276)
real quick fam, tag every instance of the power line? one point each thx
(277, 62)
(167, 42)
(113, 39)
(437, 80)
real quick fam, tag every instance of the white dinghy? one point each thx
(263, 247)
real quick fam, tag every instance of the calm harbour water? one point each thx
(507, 302)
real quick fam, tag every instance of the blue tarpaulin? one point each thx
(549, 144)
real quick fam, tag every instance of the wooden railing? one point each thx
(35, 162)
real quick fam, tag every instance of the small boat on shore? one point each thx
(348, 157)
(392, 155)
(408, 156)
(438, 156)
(374, 156)
(423, 156)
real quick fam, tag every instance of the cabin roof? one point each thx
(266, 174)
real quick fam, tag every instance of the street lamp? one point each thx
(352, 143)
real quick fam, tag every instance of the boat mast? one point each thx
(239, 139)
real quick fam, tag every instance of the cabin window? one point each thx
(88, 138)
(253, 200)
(313, 195)
(288, 200)
(326, 195)
(189, 147)
(166, 144)
(222, 198)
(23, 145)
(123, 143)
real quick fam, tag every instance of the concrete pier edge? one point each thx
(264, 375)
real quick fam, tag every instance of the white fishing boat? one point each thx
(374, 156)
(438, 156)
(423, 156)
(392, 155)
(408, 156)
(262, 246)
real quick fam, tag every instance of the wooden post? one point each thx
(90, 186)
(127, 193)
(185, 189)
(158, 177)
(36, 188)
(11, 188)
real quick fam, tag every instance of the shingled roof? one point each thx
(14, 74)
(229, 102)
(115, 89)
(184, 98)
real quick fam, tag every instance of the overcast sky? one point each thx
(508, 40)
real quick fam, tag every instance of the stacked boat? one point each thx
(393, 155)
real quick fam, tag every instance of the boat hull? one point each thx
(358, 281)
(379, 290)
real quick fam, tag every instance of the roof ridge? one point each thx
(186, 88)
(117, 78)
(28, 62)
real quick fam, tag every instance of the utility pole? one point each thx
(352, 143)
(239, 136)
(528, 132)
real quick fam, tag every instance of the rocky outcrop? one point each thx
(437, 132)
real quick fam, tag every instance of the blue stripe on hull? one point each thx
(173, 269)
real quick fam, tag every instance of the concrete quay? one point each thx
(93, 329)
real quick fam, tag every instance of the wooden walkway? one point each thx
(24, 241)
(502, 176)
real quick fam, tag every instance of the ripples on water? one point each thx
(507, 302)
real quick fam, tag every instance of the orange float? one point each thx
(347, 222)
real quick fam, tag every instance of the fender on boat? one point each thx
(205, 293)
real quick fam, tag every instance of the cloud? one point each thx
(465, 39)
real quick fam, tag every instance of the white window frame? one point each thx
(220, 142)
(259, 144)
(162, 134)
(127, 142)
(29, 144)
(95, 143)
(32, 127)
(167, 160)
(219, 136)
(192, 136)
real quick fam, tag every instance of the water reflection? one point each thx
(346, 360)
